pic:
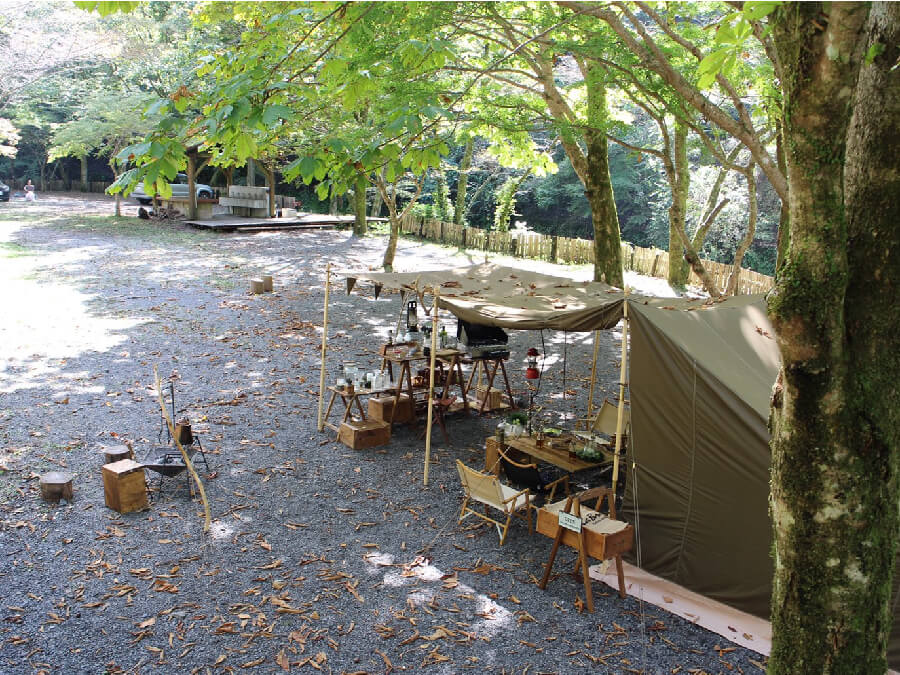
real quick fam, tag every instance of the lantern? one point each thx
(532, 372)
(412, 316)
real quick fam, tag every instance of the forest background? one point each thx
(74, 87)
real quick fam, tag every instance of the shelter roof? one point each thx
(508, 297)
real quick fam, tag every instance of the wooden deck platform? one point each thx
(307, 221)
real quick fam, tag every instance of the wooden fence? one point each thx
(652, 262)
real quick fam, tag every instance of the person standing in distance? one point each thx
(29, 191)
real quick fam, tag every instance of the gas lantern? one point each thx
(532, 372)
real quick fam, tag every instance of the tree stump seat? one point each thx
(56, 485)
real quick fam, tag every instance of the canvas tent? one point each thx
(700, 382)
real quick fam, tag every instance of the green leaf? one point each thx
(308, 166)
(275, 112)
(712, 62)
(874, 52)
(757, 10)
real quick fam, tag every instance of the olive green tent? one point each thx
(700, 382)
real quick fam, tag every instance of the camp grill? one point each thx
(167, 460)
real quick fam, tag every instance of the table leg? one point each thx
(459, 376)
(330, 405)
(620, 572)
(512, 402)
(490, 382)
(404, 370)
(362, 413)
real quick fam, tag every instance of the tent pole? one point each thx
(620, 419)
(590, 410)
(434, 333)
(321, 422)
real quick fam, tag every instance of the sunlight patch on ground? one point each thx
(52, 321)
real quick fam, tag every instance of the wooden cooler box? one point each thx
(125, 486)
(364, 434)
(380, 408)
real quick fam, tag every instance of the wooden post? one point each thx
(270, 181)
(434, 333)
(620, 420)
(321, 423)
(590, 410)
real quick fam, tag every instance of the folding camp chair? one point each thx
(528, 476)
(489, 491)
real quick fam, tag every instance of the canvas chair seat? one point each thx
(487, 490)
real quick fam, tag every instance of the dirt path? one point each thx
(320, 558)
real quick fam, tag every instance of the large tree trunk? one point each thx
(359, 207)
(835, 444)
(744, 245)
(678, 270)
(84, 173)
(462, 183)
(598, 186)
(270, 183)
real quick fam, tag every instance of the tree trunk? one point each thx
(598, 186)
(735, 276)
(359, 207)
(192, 186)
(112, 168)
(835, 443)
(693, 258)
(270, 183)
(678, 270)
(462, 183)
(84, 173)
(251, 173)
(784, 221)
(377, 205)
(229, 179)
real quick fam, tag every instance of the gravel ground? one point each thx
(319, 557)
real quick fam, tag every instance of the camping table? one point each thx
(529, 446)
(486, 362)
(349, 400)
(404, 380)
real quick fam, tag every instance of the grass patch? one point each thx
(9, 249)
(224, 284)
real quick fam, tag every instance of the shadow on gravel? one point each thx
(318, 555)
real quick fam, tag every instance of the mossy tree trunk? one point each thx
(836, 420)
(681, 183)
(84, 173)
(359, 207)
(462, 183)
(388, 194)
(591, 165)
(598, 184)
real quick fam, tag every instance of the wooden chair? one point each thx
(489, 491)
(528, 476)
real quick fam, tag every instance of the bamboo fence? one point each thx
(652, 262)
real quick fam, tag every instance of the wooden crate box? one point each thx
(380, 408)
(125, 486)
(362, 435)
(494, 397)
(605, 539)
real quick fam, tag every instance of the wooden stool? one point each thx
(56, 485)
(125, 486)
(115, 453)
(608, 540)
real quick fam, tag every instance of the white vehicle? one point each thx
(179, 189)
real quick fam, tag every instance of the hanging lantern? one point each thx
(412, 316)
(532, 372)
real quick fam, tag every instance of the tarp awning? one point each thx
(507, 297)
